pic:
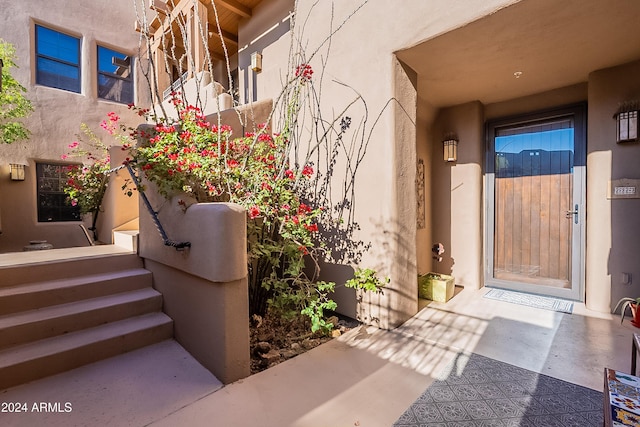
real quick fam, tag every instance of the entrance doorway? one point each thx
(535, 215)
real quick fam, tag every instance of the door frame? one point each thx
(577, 290)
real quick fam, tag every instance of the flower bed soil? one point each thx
(274, 340)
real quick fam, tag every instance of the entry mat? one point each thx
(537, 301)
(476, 391)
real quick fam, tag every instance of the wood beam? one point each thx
(160, 7)
(226, 35)
(235, 7)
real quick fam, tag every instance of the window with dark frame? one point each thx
(115, 76)
(57, 59)
(53, 203)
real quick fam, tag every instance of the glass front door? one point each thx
(535, 182)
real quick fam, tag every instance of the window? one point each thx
(57, 59)
(115, 79)
(53, 204)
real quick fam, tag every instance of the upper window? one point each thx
(115, 79)
(57, 59)
(53, 203)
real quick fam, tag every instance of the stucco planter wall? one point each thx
(205, 286)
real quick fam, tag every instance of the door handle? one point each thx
(573, 213)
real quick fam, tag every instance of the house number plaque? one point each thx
(624, 189)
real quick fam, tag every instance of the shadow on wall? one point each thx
(258, 44)
(399, 299)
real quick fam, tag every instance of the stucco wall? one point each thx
(613, 226)
(358, 60)
(457, 194)
(425, 141)
(58, 114)
(204, 286)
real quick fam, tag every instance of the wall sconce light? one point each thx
(17, 172)
(627, 122)
(256, 62)
(450, 148)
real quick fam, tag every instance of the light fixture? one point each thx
(256, 62)
(17, 172)
(627, 122)
(450, 148)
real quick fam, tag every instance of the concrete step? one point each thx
(32, 296)
(26, 326)
(58, 264)
(27, 362)
(126, 239)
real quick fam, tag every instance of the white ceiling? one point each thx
(552, 43)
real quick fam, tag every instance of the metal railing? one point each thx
(154, 215)
(175, 85)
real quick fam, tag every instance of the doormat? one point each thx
(477, 391)
(537, 301)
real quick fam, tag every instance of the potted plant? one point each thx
(632, 304)
(436, 287)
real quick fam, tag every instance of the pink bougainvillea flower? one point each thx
(64, 157)
(232, 163)
(289, 174)
(74, 144)
(307, 171)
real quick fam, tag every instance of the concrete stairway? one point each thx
(58, 315)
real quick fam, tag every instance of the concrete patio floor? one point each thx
(367, 377)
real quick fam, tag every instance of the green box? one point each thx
(436, 287)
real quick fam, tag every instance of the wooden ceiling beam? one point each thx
(228, 36)
(235, 7)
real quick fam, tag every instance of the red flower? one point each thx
(254, 211)
(304, 71)
(186, 135)
(289, 174)
(264, 137)
(303, 249)
(312, 227)
(307, 171)
(232, 163)
(303, 209)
